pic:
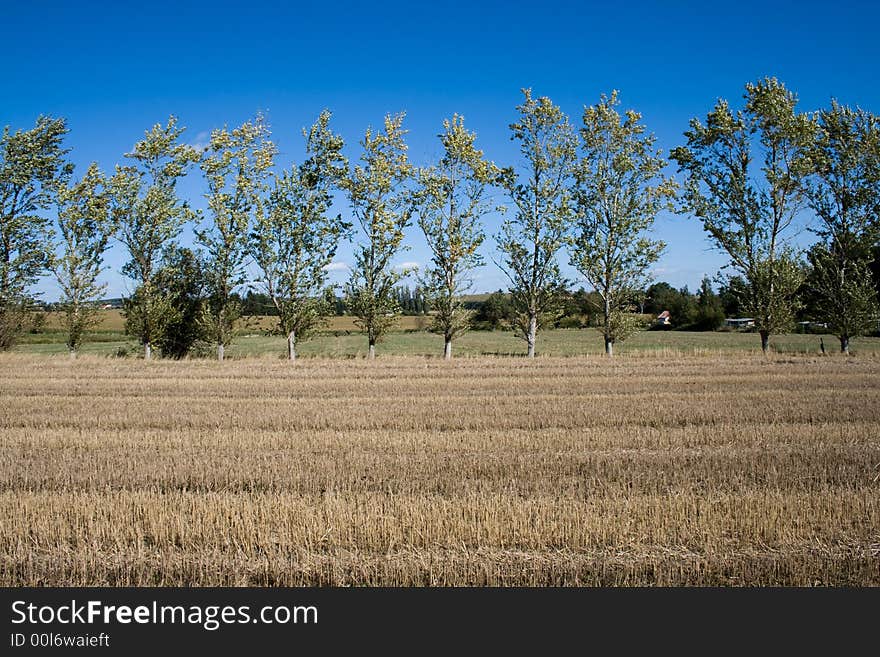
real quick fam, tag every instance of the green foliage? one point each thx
(382, 207)
(530, 240)
(746, 219)
(732, 293)
(295, 240)
(619, 189)
(451, 202)
(658, 297)
(844, 192)
(182, 282)
(710, 313)
(236, 165)
(771, 295)
(496, 312)
(704, 311)
(178, 304)
(147, 312)
(623, 323)
(411, 301)
(843, 293)
(682, 307)
(148, 216)
(875, 266)
(257, 304)
(38, 322)
(84, 229)
(569, 322)
(31, 166)
(579, 309)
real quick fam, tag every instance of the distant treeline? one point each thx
(701, 310)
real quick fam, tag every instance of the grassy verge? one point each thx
(560, 342)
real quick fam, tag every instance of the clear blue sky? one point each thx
(114, 69)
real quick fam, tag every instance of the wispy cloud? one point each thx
(337, 266)
(201, 141)
(407, 265)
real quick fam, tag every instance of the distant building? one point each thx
(664, 319)
(739, 322)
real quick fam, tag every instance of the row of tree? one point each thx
(593, 191)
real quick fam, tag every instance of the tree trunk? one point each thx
(447, 349)
(148, 351)
(609, 340)
(291, 346)
(844, 344)
(221, 351)
(765, 342)
(533, 330)
(372, 352)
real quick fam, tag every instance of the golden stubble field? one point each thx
(678, 470)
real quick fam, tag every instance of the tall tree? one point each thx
(84, 228)
(451, 200)
(236, 164)
(295, 240)
(149, 216)
(619, 189)
(844, 192)
(746, 215)
(382, 206)
(31, 164)
(540, 190)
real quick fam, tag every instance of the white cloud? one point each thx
(407, 265)
(201, 141)
(336, 266)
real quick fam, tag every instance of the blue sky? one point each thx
(113, 71)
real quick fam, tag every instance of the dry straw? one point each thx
(700, 470)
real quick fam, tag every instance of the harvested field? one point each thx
(705, 470)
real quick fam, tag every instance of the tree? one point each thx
(182, 283)
(731, 292)
(149, 216)
(658, 297)
(710, 313)
(682, 308)
(748, 219)
(494, 313)
(619, 190)
(257, 304)
(842, 292)
(410, 301)
(844, 192)
(296, 239)
(382, 207)
(236, 164)
(31, 165)
(179, 288)
(530, 240)
(84, 228)
(451, 202)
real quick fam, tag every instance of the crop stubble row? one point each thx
(411, 471)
